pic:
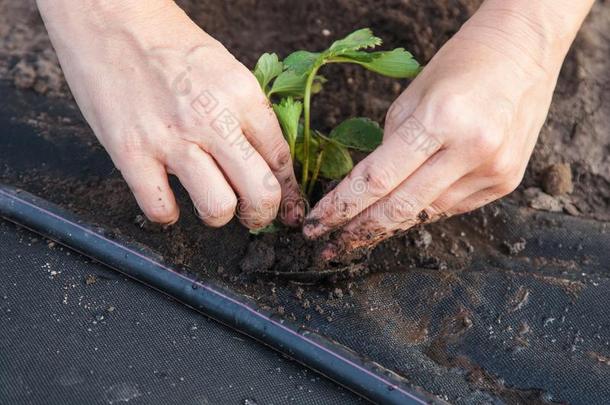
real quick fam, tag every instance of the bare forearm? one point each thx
(73, 23)
(102, 9)
(538, 30)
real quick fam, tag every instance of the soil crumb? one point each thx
(558, 180)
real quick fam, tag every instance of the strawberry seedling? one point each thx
(290, 84)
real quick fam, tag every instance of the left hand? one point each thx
(458, 138)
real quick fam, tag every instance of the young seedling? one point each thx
(290, 84)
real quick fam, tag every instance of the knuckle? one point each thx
(402, 208)
(128, 146)
(378, 180)
(191, 153)
(484, 139)
(509, 185)
(184, 158)
(278, 156)
(439, 207)
(454, 120)
(448, 111)
(396, 112)
(244, 84)
(132, 142)
(123, 153)
(503, 167)
(252, 86)
(451, 105)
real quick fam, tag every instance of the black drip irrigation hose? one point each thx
(365, 378)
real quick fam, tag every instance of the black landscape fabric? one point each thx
(339, 364)
(76, 332)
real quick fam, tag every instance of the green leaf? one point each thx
(289, 84)
(302, 62)
(289, 112)
(314, 148)
(360, 39)
(397, 63)
(267, 68)
(271, 228)
(361, 134)
(337, 162)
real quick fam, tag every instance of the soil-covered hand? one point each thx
(458, 138)
(163, 97)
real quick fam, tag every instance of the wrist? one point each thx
(72, 20)
(533, 34)
(81, 27)
(108, 11)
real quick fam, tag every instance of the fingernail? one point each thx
(312, 228)
(329, 252)
(170, 223)
(299, 212)
(294, 216)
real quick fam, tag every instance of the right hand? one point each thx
(162, 97)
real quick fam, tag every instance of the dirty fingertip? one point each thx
(313, 228)
(330, 252)
(292, 213)
(169, 224)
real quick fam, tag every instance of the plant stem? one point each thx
(307, 127)
(292, 146)
(316, 173)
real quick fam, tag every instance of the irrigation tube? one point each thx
(336, 362)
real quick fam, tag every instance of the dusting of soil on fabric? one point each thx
(569, 174)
